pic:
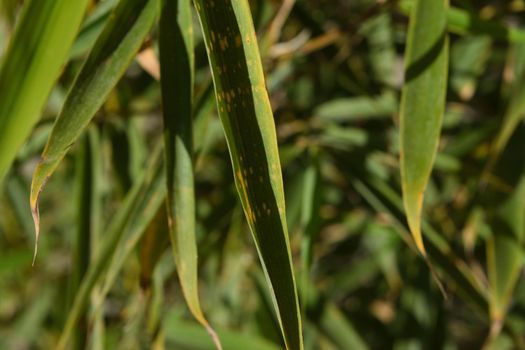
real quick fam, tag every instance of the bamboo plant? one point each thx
(312, 192)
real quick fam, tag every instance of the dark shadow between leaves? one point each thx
(426, 60)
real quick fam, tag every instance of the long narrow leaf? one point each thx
(38, 50)
(91, 29)
(246, 115)
(109, 58)
(177, 67)
(422, 105)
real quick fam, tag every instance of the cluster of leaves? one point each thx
(395, 125)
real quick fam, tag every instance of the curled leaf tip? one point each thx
(37, 185)
(36, 221)
(197, 312)
(214, 336)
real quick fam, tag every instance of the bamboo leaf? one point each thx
(247, 119)
(177, 69)
(38, 49)
(91, 29)
(107, 61)
(422, 105)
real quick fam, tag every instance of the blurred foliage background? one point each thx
(334, 72)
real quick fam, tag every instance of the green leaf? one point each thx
(177, 70)
(37, 52)
(422, 105)
(91, 29)
(115, 48)
(246, 115)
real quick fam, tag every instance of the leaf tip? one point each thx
(36, 221)
(214, 336)
(196, 310)
(413, 208)
(37, 185)
(418, 237)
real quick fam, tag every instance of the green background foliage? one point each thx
(262, 174)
